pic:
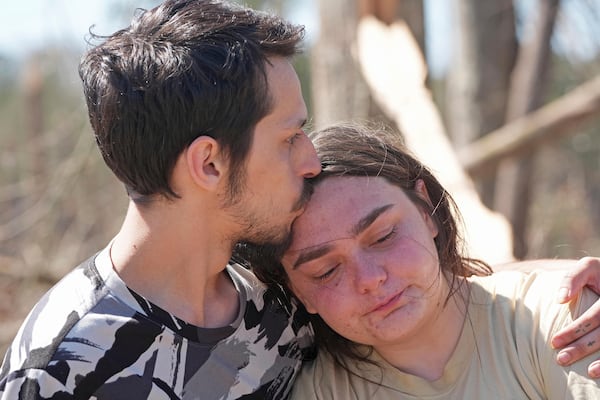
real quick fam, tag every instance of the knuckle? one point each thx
(588, 261)
(592, 321)
(582, 347)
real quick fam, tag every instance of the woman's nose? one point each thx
(369, 273)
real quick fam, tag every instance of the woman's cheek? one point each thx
(332, 304)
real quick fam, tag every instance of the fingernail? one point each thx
(563, 294)
(563, 358)
(594, 370)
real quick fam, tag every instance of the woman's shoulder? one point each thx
(529, 296)
(517, 284)
(326, 378)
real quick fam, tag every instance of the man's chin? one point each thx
(275, 245)
(283, 238)
(271, 237)
(307, 191)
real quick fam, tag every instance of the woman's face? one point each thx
(363, 258)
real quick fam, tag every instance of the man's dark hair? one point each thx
(184, 69)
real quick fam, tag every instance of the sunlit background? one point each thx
(59, 204)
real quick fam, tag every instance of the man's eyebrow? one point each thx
(296, 121)
(318, 251)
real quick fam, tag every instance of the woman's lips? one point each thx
(389, 303)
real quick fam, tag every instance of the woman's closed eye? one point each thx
(386, 237)
(328, 273)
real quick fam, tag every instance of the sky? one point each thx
(31, 24)
(26, 25)
(34, 24)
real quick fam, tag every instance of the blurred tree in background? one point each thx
(59, 203)
(508, 59)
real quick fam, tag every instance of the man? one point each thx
(197, 110)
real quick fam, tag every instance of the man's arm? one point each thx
(543, 263)
(582, 337)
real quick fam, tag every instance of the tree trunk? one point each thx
(339, 92)
(513, 191)
(338, 87)
(480, 74)
(395, 70)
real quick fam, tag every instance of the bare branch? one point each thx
(59, 183)
(554, 120)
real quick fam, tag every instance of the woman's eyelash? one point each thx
(387, 236)
(327, 274)
(382, 239)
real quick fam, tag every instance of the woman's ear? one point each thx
(421, 191)
(205, 162)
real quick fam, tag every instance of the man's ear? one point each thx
(421, 191)
(205, 161)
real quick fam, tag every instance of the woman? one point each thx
(398, 311)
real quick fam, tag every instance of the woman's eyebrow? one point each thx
(312, 253)
(315, 252)
(368, 219)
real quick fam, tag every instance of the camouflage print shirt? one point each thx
(92, 337)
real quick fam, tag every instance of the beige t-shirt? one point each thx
(503, 352)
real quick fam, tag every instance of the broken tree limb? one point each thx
(394, 68)
(548, 123)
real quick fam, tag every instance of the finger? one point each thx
(585, 272)
(589, 343)
(573, 281)
(594, 369)
(583, 327)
